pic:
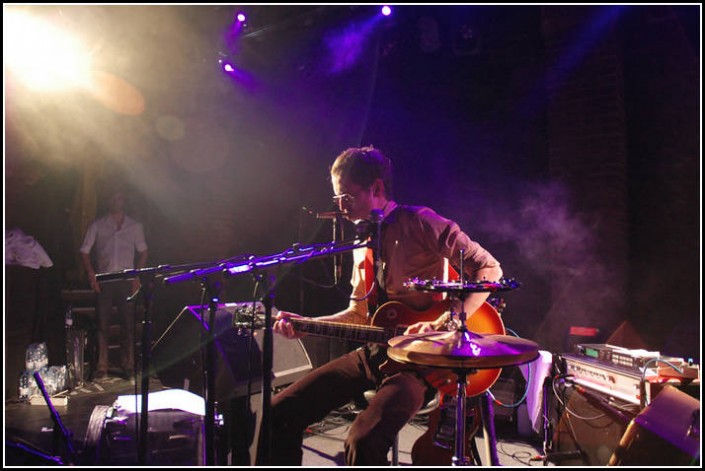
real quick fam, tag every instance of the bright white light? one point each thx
(386, 10)
(227, 66)
(43, 56)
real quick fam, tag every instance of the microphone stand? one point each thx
(264, 449)
(58, 424)
(213, 291)
(550, 456)
(147, 289)
(250, 264)
(146, 276)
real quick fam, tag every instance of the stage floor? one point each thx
(30, 439)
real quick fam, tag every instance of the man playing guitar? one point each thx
(414, 242)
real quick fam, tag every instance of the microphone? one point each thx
(323, 215)
(337, 218)
(330, 215)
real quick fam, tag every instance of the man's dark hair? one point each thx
(364, 165)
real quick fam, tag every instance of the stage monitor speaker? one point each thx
(589, 427)
(665, 433)
(177, 355)
(175, 438)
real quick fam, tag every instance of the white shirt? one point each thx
(115, 249)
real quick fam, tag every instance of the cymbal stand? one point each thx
(459, 458)
(486, 408)
(487, 411)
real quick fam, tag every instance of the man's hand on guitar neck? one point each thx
(283, 327)
(286, 328)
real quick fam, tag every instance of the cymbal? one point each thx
(462, 349)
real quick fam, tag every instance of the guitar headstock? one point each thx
(247, 315)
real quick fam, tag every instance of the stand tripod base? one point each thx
(487, 411)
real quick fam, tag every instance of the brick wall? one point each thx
(587, 152)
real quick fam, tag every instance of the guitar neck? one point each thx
(339, 330)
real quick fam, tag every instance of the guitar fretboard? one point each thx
(356, 333)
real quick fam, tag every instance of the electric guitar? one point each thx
(391, 320)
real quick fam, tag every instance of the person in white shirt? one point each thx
(117, 243)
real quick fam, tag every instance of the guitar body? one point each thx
(485, 320)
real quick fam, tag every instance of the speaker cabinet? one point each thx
(665, 433)
(178, 354)
(588, 427)
(175, 438)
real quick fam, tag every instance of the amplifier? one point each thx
(614, 381)
(637, 359)
(177, 355)
(617, 356)
(629, 384)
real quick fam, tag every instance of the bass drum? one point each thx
(175, 438)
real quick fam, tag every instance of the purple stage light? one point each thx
(241, 17)
(227, 66)
(386, 10)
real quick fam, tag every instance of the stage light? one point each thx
(227, 66)
(43, 56)
(386, 10)
(233, 32)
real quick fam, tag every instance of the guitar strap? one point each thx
(379, 277)
(373, 300)
(449, 274)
